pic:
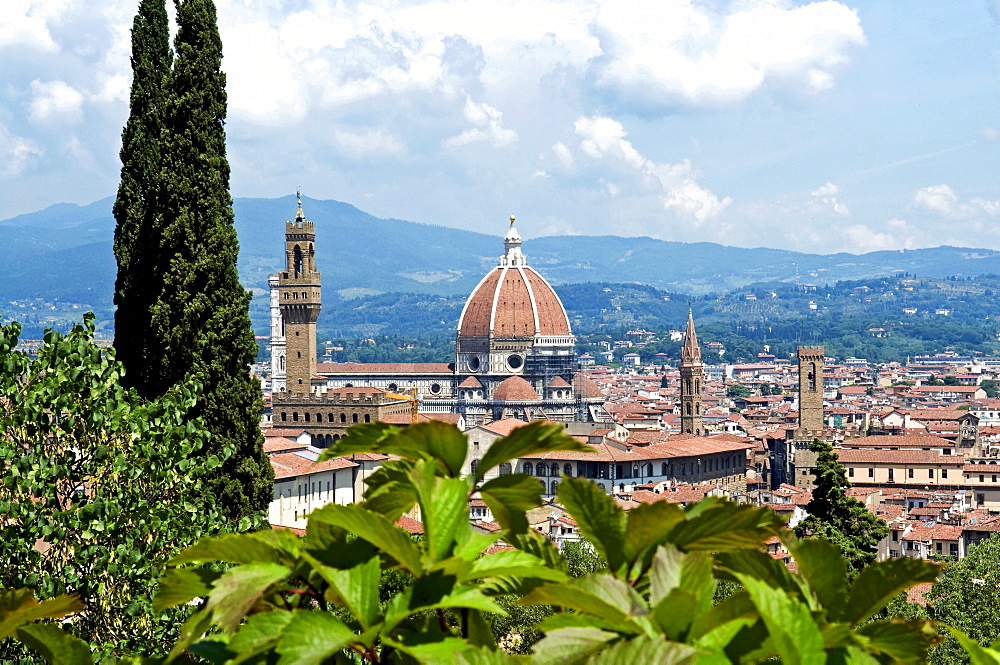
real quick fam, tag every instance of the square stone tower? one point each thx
(803, 460)
(300, 302)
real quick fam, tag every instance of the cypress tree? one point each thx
(135, 209)
(839, 517)
(200, 321)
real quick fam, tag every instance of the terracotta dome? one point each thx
(559, 382)
(515, 389)
(513, 300)
(588, 387)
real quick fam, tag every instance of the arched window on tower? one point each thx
(343, 418)
(354, 417)
(368, 418)
(297, 260)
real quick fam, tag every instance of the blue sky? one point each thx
(813, 126)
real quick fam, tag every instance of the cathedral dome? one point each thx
(513, 300)
(515, 389)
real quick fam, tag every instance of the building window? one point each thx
(567, 469)
(354, 417)
(982, 478)
(871, 473)
(944, 473)
(474, 466)
(284, 416)
(527, 468)
(295, 416)
(553, 486)
(435, 388)
(909, 473)
(850, 472)
(663, 469)
(368, 418)
(306, 415)
(343, 418)
(543, 470)
(329, 417)
(930, 473)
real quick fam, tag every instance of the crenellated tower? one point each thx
(692, 373)
(300, 302)
(811, 360)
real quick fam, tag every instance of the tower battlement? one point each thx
(300, 226)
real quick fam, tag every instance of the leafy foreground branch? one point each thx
(315, 599)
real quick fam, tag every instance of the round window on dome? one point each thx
(474, 363)
(514, 361)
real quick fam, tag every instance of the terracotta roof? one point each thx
(453, 418)
(559, 382)
(926, 533)
(515, 389)
(938, 414)
(385, 368)
(279, 444)
(900, 441)
(471, 382)
(409, 524)
(291, 465)
(588, 387)
(982, 468)
(287, 432)
(503, 427)
(513, 302)
(862, 455)
(356, 390)
(296, 531)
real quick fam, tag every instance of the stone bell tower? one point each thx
(692, 372)
(299, 300)
(803, 460)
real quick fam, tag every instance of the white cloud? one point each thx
(942, 200)
(865, 239)
(16, 152)
(488, 128)
(829, 189)
(604, 139)
(55, 100)
(825, 198)
(676, 50)
(25, 23)
(564, 155)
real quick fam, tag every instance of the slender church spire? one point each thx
(690, 352)
(691, 370)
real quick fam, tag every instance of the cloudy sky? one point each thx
(815, 126)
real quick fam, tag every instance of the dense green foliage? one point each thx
(99, 487)
(135, 209)
(314, 599)
(838, 517)
(968, 598)
(185, 311)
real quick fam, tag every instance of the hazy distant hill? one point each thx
(64, 253)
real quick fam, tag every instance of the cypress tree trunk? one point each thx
(135, 208)
(200, 321)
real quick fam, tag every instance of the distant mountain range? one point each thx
(64, 252)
